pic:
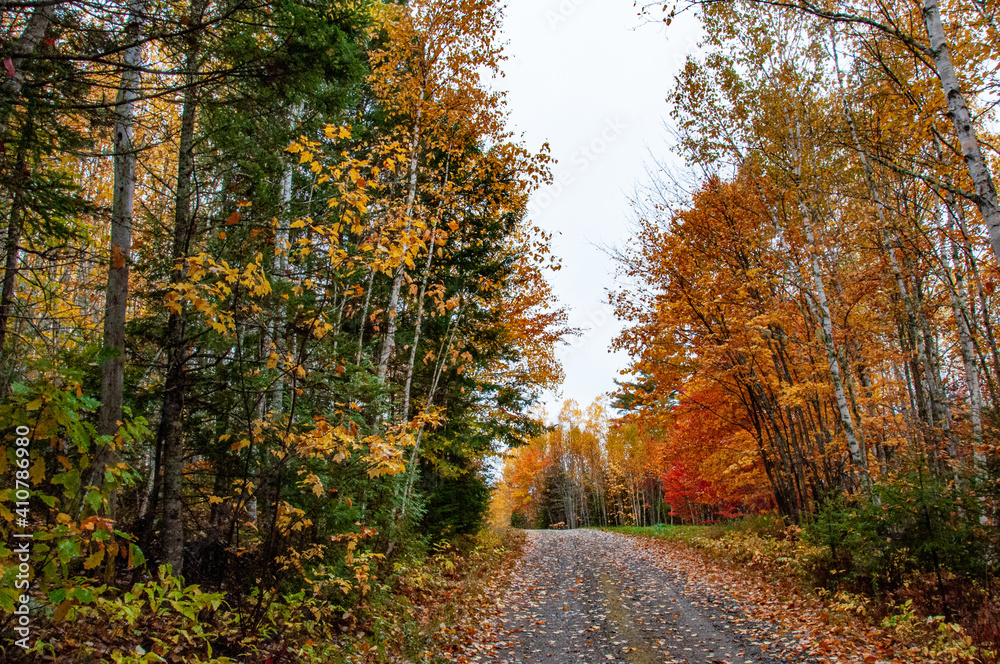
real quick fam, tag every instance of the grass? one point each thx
(767, 526)
(666, 531)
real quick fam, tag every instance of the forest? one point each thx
(269, 305)
(275, 322)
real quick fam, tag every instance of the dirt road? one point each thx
(591, 596)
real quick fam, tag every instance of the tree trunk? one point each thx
(370, 280)
(981, 294)
(397, 283)
(953, 273)
(116, 300)
(22, 48)
(826, 336)
(417, 325)
(171, 430)
(12, 253)
(411, 470)
(958, 110)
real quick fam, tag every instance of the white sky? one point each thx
(590, 77)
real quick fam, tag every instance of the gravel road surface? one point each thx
(591, 596)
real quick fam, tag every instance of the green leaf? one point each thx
(84, 595)
(135, 557)
(185, 610)
(70, 479)
(94, 500)
(68, 549)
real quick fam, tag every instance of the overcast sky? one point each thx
(590, 78)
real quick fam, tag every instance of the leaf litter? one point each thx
(591, 596)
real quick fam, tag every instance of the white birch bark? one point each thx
(411, 470)
(397, 283)
(956, 285)
(958, 110)
(932, 407)
(405, 414)
(858, 456)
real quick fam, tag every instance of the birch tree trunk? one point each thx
(397, 283)
(120, 253)
(882, 210)
(981, 294)
(364, 314)
(417, 326)
(954, 275)
(826, 336)
(958, 110)
(420, 303)
(411, 469)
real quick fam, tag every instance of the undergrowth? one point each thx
(424, 610)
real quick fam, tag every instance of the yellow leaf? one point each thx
(239, 445)
(94, 559)
(37, 472)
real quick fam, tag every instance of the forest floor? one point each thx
(589, 596)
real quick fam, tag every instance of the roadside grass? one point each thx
(666, 531)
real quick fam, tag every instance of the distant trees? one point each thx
(588, 470)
